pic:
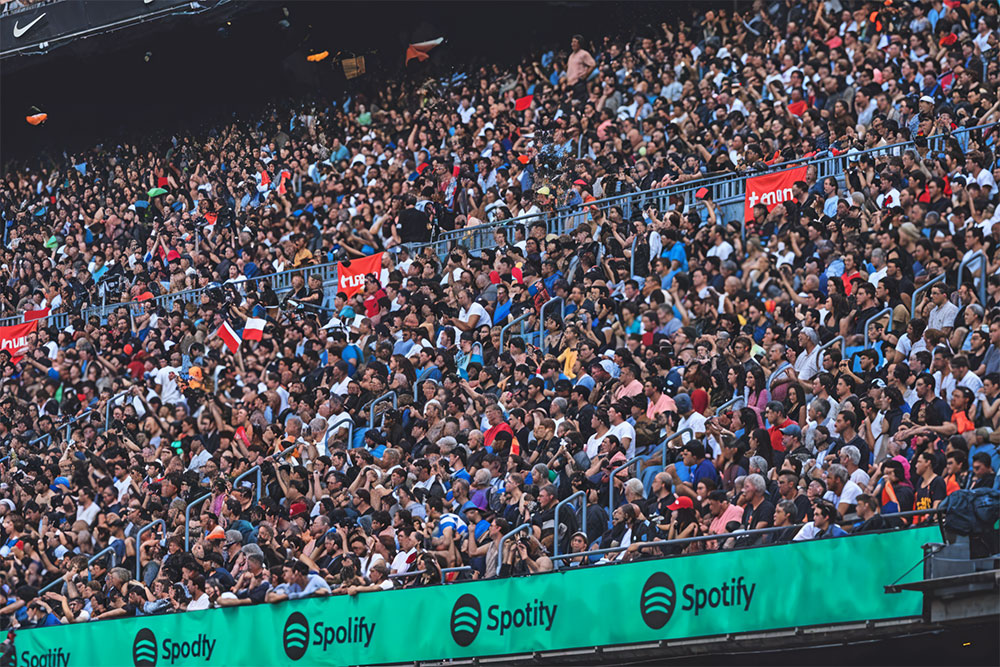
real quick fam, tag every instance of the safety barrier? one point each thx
(777, 371)
(389, 395)
(520, 529)
(611, 481)
(138, 543)
(712, 594)
(336, 426)
(583, 520)
(254, 470)
(975, 258)
(725, 189)
(826, 346)
(187, 519)
(920, 290)
(664, 446)
(875, 318)
(90, 561)
(507, 327)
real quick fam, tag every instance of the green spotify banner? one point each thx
(813, 583)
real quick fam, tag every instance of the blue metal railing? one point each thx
(515, 531)
(138, 543)
(920, 290)
(187, 519)
(975, 258)
(582, 495)
(253, 470)
(875, 318)
(611, 481)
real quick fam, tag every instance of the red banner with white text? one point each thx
(771, 189)
(351, 279)
(14, 339)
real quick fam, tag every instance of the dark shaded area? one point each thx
(202, 69)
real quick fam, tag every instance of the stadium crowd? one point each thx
(667, 316)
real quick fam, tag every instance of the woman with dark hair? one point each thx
(760, 445)
(755, 393)
(736, 380)
(795, 404)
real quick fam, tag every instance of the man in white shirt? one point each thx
(689, 419)
(407, 549)
(843, 492)
(721, 248)
(165, 380)
(471, 315)
(199, 598)
(942, 315)
(621, 429)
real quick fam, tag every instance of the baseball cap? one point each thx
(793, 430)
(683, 402)
(297, 509)
(682, 502)
(544, 191)
(234, 537)
(928, 99)
(580, 181)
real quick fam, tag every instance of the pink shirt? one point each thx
(718, 525)
(664, 404)
(577, 65)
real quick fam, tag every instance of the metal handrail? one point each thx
(732, 401)
(756, 532)
(728, 184)
(255, 469)
(336, 425)
(976, 257)
(391, 394)
(780, 369)
(109, 405)
(555, 518)
(541, 319)
(515, 531)
(611, 482)
(449, 570)
(664, 446)
(68, 426)
(874, 318)
(506, 327)
(826, 346)
(138, 543)
(920, 290)
(90, 561)
(187, 519)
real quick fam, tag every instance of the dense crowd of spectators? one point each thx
(485, 437)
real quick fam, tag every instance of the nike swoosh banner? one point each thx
(62, 21)
(770, 189)
(705, 595)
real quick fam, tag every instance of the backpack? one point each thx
(974, 511)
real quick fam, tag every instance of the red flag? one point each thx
(797, 108)
(229, 337)
(351, 278)
(14, 339)
(285, 175)
(421, 50)
(254, 330)
(523, 103)
(32, 315)
(770, 189)
(523, 159)
(265, 178)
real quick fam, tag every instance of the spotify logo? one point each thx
(658, 600)
(466, 616)
(295, 637)
(144, 648)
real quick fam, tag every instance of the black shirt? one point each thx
(764, 512)
(414, 226)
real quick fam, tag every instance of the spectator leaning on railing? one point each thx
(399, 438)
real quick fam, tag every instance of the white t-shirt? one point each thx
(201, 603)
(87, 514)
(722, 251)
(465, 314)
(399, 563)
(696, 422)
(848, 495)
(622, 431)
(594, 444)
(166, 377)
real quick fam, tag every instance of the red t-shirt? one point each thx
(775, 432)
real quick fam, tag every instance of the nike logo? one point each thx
(18, 31)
